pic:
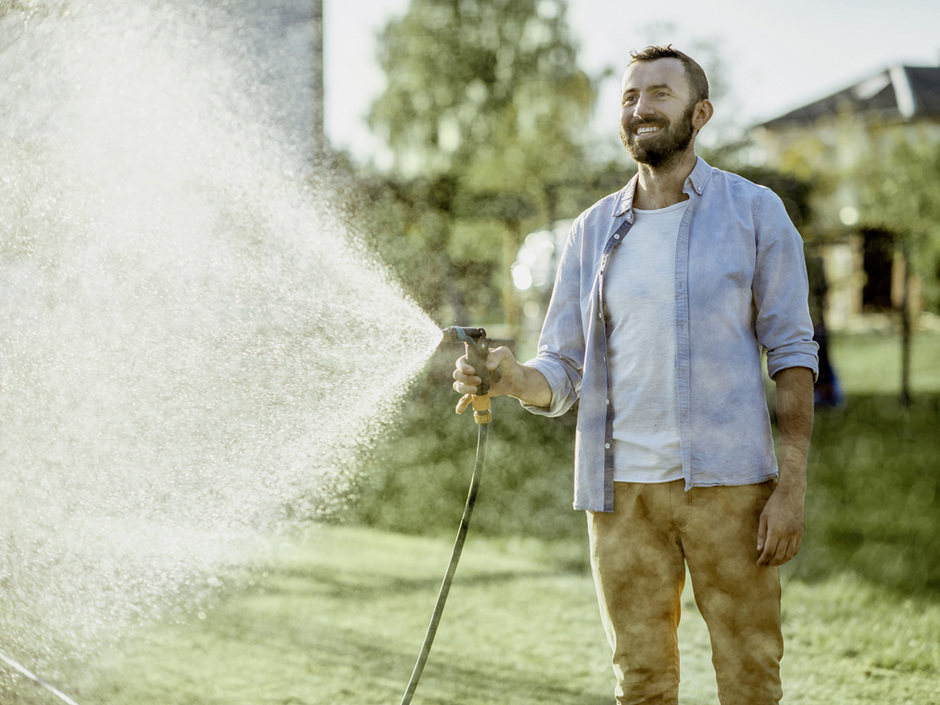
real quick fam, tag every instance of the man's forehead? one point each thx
(660, 72)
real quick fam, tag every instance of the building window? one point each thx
(877, 260)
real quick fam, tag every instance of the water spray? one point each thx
(477, 346)
(21, 669)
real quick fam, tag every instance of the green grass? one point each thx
(339, 617)
(870, 363)
(338, 614)
(874, 474)
(873, 505)
(874, 493)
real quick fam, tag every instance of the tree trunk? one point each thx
(511, 238)
(905, 398)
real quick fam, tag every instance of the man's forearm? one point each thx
(529, 386)
(781, 522)
(795, 422)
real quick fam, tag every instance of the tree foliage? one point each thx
(901, 195)
(483, 111)
(29, 9)
(485, 85)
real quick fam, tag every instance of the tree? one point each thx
(30, 9)
(486, 96)
(901, 196)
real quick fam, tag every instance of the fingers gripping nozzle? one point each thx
(478, 350)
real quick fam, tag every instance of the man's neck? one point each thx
(663, 186)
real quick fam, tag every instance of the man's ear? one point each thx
(702, 114)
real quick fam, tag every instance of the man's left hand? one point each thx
(781, 522)
(781, 526)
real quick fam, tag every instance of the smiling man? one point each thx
(666, 295)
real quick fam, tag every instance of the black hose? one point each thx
(36, 679)
(482, 432)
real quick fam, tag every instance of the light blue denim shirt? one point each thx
(741, 287)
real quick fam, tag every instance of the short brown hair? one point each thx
(693, 72)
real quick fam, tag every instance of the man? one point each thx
(666, 294)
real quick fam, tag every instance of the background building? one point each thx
(835, 144)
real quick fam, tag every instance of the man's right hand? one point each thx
(466, 379)
(516, 380)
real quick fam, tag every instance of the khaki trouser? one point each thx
(639, 554)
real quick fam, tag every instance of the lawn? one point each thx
(871, 363)
(339, 615)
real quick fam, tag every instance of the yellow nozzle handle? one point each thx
(481, 409)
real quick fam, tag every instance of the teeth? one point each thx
(646, 130)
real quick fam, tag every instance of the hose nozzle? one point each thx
(478, 349)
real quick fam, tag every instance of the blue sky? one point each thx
(779, 55)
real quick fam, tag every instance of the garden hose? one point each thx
(482, 432)
(36, 679)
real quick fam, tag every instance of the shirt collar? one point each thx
(696, 182)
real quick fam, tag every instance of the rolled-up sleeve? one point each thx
(560, 356)
(781, 290)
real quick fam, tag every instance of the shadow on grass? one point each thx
(874, 494)
(333, 583)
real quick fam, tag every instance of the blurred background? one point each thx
(475, 131)
(506, 114)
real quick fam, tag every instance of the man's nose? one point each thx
(643, 107)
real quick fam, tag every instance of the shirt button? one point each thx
(607, 446)
(616, 237)
(608, 402)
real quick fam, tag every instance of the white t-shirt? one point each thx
(639, 296)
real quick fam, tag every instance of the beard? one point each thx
(662, 148)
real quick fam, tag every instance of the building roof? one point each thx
(897, 92)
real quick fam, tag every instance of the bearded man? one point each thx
(666, 295)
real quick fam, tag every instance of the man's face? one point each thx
(656, 111)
